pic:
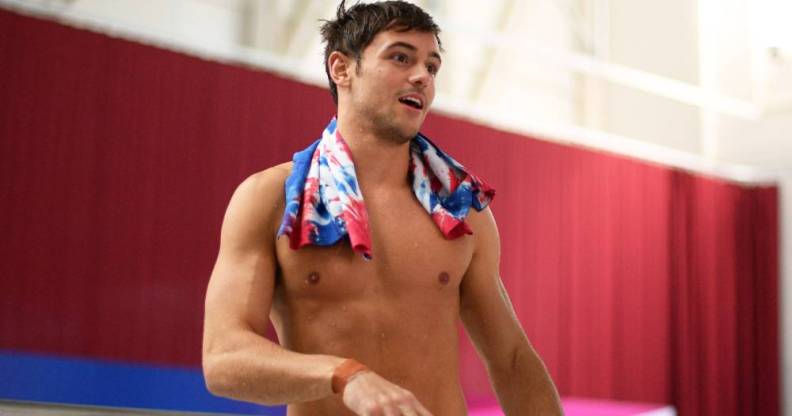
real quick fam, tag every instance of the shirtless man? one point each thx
(397, 313)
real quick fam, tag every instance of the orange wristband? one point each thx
(344, 372)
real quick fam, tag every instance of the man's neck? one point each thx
(380, 163)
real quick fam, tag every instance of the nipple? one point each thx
(443, 278)
(312, 279)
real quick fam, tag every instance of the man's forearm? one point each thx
(525, 386)
(263, 372)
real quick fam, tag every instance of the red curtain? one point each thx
(725, 306)
(633, 281)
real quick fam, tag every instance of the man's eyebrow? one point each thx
(406, 45)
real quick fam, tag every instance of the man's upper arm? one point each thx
(484, 304)
(239, 295)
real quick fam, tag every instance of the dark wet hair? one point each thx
(355, 28)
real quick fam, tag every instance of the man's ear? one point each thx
(340, 67)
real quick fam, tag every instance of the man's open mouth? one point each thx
(412, 102)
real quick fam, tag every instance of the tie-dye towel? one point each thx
(324, 202)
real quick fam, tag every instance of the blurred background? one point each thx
(642, 151)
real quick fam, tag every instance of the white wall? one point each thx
(640, 38)
(522, 87)
(207, 22)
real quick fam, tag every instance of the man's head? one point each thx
(381, 60)
(355, 28)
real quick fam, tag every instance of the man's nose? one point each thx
(421, 77)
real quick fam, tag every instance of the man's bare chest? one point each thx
(411, 258)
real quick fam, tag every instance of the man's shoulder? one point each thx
(262, 188)
(480, 220)
(259, 199)
(271, 176)
(268, 181)
(485, 230)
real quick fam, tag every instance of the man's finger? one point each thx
(389, 411)
(421, 410)
(407, 410)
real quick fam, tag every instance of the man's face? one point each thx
(394, 84)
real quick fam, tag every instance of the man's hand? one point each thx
(368, 394)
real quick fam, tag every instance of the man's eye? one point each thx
(400, 57)
(432, 69)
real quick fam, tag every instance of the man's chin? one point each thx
(410, 130)
(401, 134)
(407, 134)
(397, 129)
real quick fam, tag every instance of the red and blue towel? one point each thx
(324, 202)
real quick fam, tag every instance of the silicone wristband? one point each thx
(344, 372)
